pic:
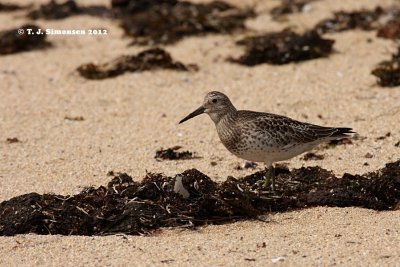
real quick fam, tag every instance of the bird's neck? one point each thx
(227, 131)
(222, 118)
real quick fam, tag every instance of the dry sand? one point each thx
(125, 123)
(318, 237)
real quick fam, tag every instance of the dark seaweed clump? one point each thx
(246, 165)
(126, 206)
(343, 20)
(53, 10)
(312, 156)
(74, 118)
(168, 21)
(12, 140)
(283, 47)
(173, 154)
(5, 7)
(133, 6)
(386, 21)
(289, 7)
(12, 41)
(149, 59)
(391, 30)
(344, 141)
(388, 72)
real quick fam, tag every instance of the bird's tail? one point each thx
(342, 132)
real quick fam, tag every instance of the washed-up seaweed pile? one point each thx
(283, 47)
(165, 22)
(54, 10)
(386, 21)
(19, 40)
(388, 71)
(360, 19)
(287, 46)
(391, 30)
(6, 7)
(192, 198)
(155, 21)
(173, 153)
(150, 59)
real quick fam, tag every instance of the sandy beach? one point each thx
(129, 117)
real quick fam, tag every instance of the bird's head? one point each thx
(215, 104)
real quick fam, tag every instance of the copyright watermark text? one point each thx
(62, 31)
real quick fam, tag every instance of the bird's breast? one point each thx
(230, 136)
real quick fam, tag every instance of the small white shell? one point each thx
(179, 188)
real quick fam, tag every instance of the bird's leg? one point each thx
(272, 170)
(270, 179)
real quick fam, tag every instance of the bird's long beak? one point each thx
(195, 113)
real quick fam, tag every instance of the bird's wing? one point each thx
(287, 132)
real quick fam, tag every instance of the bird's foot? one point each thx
(266, 185)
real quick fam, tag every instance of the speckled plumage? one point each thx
(263, 137)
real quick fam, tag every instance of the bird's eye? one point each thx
(214, 100)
